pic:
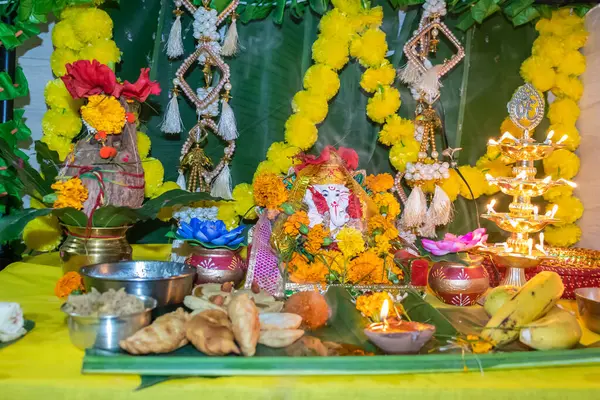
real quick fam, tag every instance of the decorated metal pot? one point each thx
(217, 265)
(458, 284)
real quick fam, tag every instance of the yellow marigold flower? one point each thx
(315, 238)
(331, 52)
(57, 96)
(292, 224)
(563, 111)
(404, 151)
(493, 166)
(103, 50)
(350, 242)
(369, 268)
(382, 245)
(395, 129)
(143, 144)
(550, 47)
(350, 7)
(312, 106)
(269, 191)
(508, 126)
(64, 122)
(374, 77)
(60, 58)
(244, 200)
(562, 236)
(576, 39)
(321, 80)
(266, 166)
(73, 12)
(452, 185)
(60, 144)
(387, 204)
(568, 86)
(372, 18)
(166, 187)
(154, 174)
(573, 137)
(369, 48)
(561, 164)
(570, 209)
(70, 193)
(557, 192)
(228, 215)
(282, 154)
(383, 104)
(301, 271)
(336, 24)
(165, 214)
(93, 24)
(63, 36)
(476, 181)
(300, 132)
(43, 233)
(383, 225)
(539, 72)
(370, 304)
(573, 63)
(380, 183)
(104, 113)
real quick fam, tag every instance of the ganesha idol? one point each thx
(326, 187)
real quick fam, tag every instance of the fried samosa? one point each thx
(210, 332)
(246, 325)
(164, 335)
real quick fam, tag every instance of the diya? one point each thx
(395, 336)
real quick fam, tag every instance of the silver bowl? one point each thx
(105, 332)
(588, 304)
(167, 282)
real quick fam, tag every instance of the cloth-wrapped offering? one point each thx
(11, 322)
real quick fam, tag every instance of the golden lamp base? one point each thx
(515, 263)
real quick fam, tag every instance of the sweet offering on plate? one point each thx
(116, 303)
(311, 306)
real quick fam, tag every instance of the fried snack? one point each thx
(164, 335)
(280, 338)
(198, 304)
(210, 332)
(246, 325)
(311, 306)
(307, 346)
(277, 321)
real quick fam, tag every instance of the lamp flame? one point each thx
(570, 183)
(547, 179)
(385, 308)
(550, 135)
(507, 135)
(490, 206)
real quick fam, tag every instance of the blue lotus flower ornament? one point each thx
(211, 234)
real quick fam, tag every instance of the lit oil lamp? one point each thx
(395, 336)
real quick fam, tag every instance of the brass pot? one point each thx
(86, 246)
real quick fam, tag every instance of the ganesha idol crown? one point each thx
(331, 172)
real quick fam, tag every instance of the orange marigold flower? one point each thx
(269, 191)
(380, 183)
(293, 223)
(301, 271)
(369, 268)
(315, 238)
(70, 282)
(70, 193)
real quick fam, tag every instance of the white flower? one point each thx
(11, 322)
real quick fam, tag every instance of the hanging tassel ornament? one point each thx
(221, 186)
(441, 210)
(231, 44)
(410, 74)
(430, 82)
(172, 123)
(227, 126)
(175, 42)
(415, 209)
(181, 180)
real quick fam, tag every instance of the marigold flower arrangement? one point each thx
(69, 283)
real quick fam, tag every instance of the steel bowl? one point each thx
(105, 332)
(588, 304)
(167, 282)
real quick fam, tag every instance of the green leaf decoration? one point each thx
(10, 89)
(405, 3)
(48, 160)
(483, 9)
(421, 311)
(515, 7)
(71, 216)
(34, 11)
(28, 325)
(15, 129)
(319, 6)
(279, 11)
(525, 16)
(112, 216)
(12, 225)
(31, 179)
(255, 11)
(15, 35)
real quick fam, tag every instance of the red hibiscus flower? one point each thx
(141, 89)
(85, 78)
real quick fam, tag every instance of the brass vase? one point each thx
(86, 246)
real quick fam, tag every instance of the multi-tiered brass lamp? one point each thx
(526, 110)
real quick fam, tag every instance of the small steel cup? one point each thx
(588, 304)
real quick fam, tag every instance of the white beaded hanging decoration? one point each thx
(423, 77)
(210, 99)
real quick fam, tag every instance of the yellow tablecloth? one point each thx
(44, 364)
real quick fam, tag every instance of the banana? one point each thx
(558, 330)
(527, 305)
(497, 297)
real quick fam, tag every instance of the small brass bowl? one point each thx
(588, 304)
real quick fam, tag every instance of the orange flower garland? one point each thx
(380, 183)
(292, 225)
(269, 191)
(70, 193)
(315, 238)
(70, 282)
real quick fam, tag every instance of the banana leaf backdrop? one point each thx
(269, 71)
